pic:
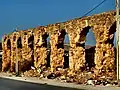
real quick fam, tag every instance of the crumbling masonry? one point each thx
(29, 46)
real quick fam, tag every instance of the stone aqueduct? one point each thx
(30, 46)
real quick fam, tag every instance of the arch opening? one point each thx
(46, 45)
(112, 41)
(31, 45)
(66, 51)
(8, 55)
(89, 44)
(61, 39)
(48, 51)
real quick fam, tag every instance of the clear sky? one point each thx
(32, 13)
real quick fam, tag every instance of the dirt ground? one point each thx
(58, 82)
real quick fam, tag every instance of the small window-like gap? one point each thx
(66, 51)
(61, 39)
(104, 53)
(19, 43)
(90, 45)
(31, 42)
(44, 40)
(8, 44)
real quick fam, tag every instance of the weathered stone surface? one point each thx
(57, 46)
(33, 49)
(27, 49)
(6, 47)
(40, 47)
(16, 49)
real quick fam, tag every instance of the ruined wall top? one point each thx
(105, 18)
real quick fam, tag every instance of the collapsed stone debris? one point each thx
(30, 47)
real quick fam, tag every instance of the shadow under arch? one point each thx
(87, 36)
(31, 42)
(9, 44)
(66, 50)
(8, 56)
(112, 31)
(46, 44)
(62, 38)
(112, 41)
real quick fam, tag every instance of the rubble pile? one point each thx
(66, 75)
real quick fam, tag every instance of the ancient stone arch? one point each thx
(6, 45)
(33, 51)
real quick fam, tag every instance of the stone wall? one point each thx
(40, 47)
(6, 57)
(57, 35)
(32, 48)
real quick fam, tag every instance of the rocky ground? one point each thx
(68, 76)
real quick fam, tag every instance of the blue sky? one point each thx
(32, 13)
